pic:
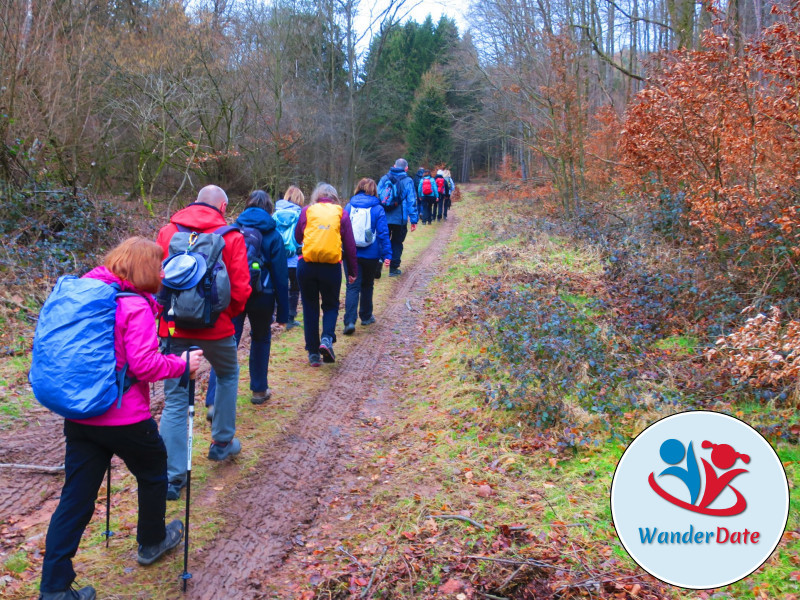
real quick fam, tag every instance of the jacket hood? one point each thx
(362, 200)
(199, 216)
(102, 273)
(397, 171)
(420, 172)
(258, 218)
(286, 205)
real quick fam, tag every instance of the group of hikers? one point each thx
(197, 282)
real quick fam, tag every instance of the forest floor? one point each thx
(394, 473)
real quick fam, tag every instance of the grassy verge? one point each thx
(503, 457)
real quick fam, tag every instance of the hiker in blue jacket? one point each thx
(416, 177)
(369, 257)
(260, 306)
(426, 188)
(397, 218)
(286, 215)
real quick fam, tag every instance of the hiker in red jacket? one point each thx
(206, 215)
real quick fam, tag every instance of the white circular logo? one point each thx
(700, 500)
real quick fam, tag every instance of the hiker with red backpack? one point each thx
(428, 195)
(443, 189)
(325, 233)
(373, 247)
(206, 284)
(269, 281)
(399, 200)
(127, 428)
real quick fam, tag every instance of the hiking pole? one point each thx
(108, 533)
(186, 576)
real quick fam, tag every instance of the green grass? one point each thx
(17, 562)
(679, 344)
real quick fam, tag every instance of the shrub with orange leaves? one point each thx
(721, 129)
(765, 351)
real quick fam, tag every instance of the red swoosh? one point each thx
(739, 507)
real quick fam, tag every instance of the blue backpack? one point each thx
(285, 221)
(73, 369)
(388, 194)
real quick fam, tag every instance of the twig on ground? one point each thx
(514, 561)
(16, 304)
(32, 467)
(510, 578)
(595, 581)
(351, 557)
(375, 570)
(460, 518)
(493, 597)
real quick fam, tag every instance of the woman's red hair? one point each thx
(137, 260)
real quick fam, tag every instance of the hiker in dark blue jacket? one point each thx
(260, 307)
(416, 177)
(369, 256)
(397, 218)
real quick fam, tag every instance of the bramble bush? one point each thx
(49, 232)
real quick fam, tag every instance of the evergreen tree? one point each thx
(397, 62)
(428, 133)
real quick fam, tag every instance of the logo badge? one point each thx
(700, 500)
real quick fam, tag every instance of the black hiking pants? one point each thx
(397, 235)
(89, 451)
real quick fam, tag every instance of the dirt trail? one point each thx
(268, 512)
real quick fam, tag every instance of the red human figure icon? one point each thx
(724, 457)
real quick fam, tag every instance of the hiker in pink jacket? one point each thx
(127, 430)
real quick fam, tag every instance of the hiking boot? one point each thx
(395, 272)
(369, 321)
(315, 360)
(326, 350)
(210, 414)
(149, 554)
(261, 397)
(222, 450)
(292, 324)
(174, 488)
(85, 593)
(349, 328)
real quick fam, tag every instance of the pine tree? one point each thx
(428, 134)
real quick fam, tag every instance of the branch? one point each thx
(460, 518)
(636, 19)
(604, 57)
(517, 562)
(32, 467)
(18, 305)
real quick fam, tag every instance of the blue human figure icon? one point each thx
(672, 453)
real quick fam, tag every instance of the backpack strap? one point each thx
(226, 229)
(124, 380)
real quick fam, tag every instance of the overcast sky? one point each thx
(417, 10)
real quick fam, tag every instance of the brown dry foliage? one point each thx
(723, 128)
(765, 351)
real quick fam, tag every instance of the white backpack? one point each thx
(361, 220)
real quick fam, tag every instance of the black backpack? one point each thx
(255, 258)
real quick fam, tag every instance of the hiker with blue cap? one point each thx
(206, 284)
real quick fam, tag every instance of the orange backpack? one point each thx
(322, 240)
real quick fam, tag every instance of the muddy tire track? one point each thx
(268, 510)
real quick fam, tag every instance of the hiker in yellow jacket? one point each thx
(326, 235)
